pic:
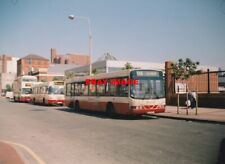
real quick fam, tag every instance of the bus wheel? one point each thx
(45, 102)
(33, 101)
(110, 110)
(76, 106)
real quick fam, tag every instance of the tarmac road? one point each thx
(57, 135)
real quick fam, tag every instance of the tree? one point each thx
(183, 70)
(94, 71)
(8, 88)
(56, 78)
(128, 66)
(69, 75)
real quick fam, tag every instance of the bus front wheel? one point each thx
(110, 110)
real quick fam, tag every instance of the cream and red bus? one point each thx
(48, 93)
(131, 92)
(22, 88)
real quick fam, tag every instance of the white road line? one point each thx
(38, 159)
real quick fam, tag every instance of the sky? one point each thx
(134, 30)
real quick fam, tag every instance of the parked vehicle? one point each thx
(9, 95)
(22, 88)
(48, 93)
(132, 92)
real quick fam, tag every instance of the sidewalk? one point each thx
(8, 155)
(213, 115)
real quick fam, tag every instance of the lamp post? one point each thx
(72, 17)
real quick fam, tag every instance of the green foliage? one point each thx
(128, 66)
(94, 71)
(8, 88)
(184, 69)
(69, 75)
(56, 78)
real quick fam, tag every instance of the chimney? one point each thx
(53, 54)
(4, 64)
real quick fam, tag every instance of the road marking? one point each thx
(38, 159)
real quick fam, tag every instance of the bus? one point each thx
(48, 93)
(127, 92)
(22, 88)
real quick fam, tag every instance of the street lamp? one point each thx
(72, 17)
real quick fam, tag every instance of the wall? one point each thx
(12, 65)
(197, 83)
(6, 78)
(69, 58)
(23, 65)
(204, 100)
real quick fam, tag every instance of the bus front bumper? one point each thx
(56, 102)
(135, 110)
(25, 99)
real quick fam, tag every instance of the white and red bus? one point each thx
(131, 92)
(48, 93)
(22, 88)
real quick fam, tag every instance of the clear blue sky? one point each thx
(143, 30)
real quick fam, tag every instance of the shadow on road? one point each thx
(221, 157)
(37, 110)
(105, 116)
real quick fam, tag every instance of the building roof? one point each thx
(60, 68)
(107, 56)
(77, 54)
(34, 56)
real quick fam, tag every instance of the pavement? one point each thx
(210, 115)
(9, 155)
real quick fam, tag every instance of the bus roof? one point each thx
(109, 75)
(38, 84)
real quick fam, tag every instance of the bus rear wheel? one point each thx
(34, 101)
(76, 106)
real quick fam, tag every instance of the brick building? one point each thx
(54, 72)
(30, 63)
(69, 58)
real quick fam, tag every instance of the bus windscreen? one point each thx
(150, 85)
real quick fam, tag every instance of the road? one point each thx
(58, 135)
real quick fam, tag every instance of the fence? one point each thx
(209, 85)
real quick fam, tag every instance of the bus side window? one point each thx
(107, 92)
(84, 89)
(122, 89)
(80, 92)
(72, 90)
(76, 89)
(46, 89)
(92, 90)
(68, 89)
(112, 89)
(101, 90)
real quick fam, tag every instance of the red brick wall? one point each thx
(23, 65)
(69, 59)
(199, 83)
